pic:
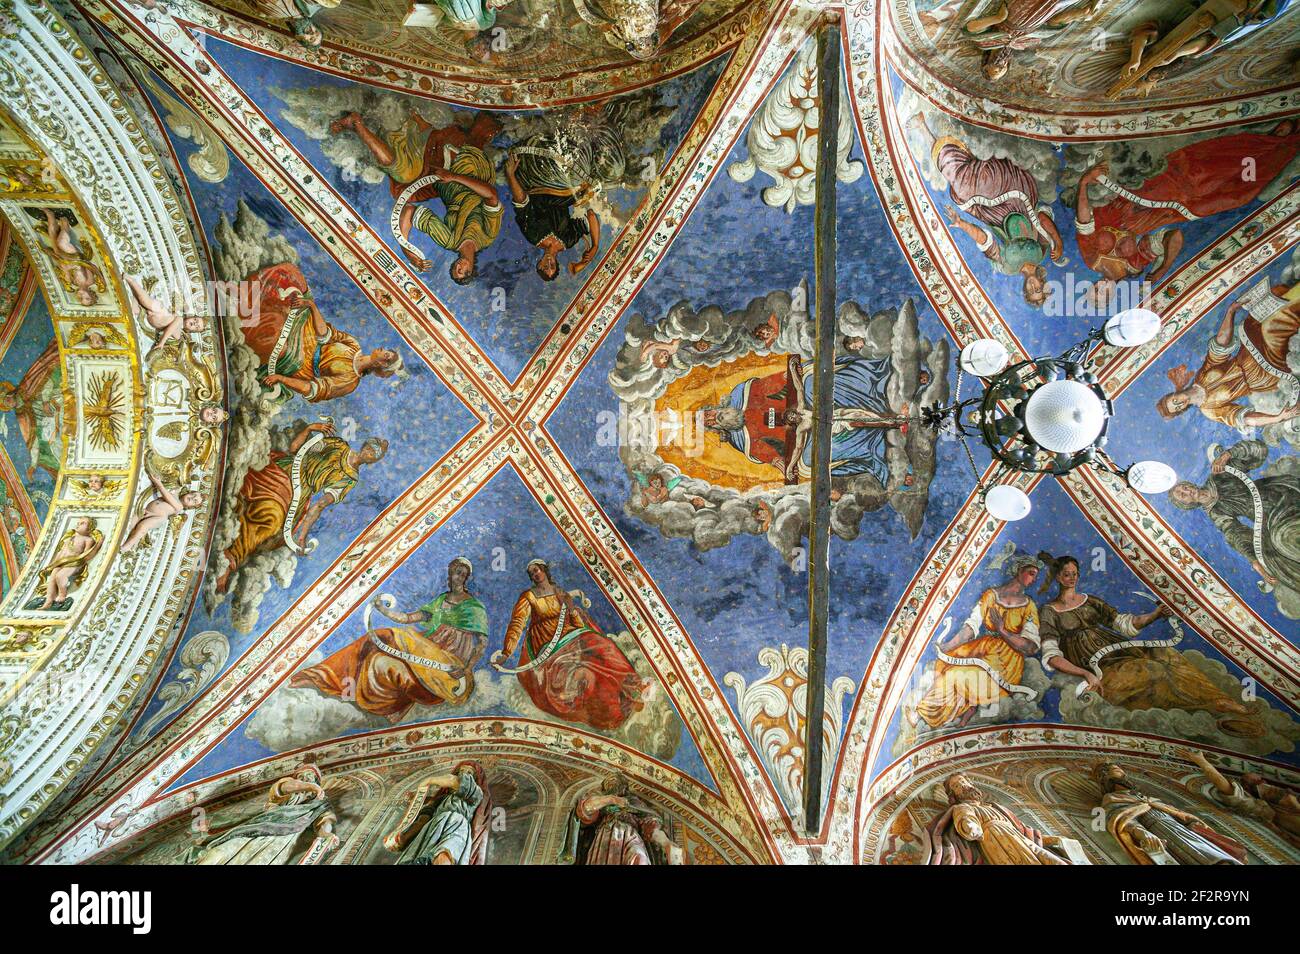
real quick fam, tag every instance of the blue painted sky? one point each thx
(736, 599)
(499, 531)
(420, 418)
(871, 574)
(1058, 526)
(508, 323)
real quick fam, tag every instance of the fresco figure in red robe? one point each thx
(769, 419)
(1132, 233)
(569, 668)
(757, 418)
(298, 351)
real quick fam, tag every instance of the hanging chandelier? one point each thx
(1045, 415)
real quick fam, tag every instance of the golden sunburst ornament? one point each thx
(105, 411)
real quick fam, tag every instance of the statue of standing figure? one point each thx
(295, 804)
(1253, 797)
(615, 827)
(1153, 832)
(974, 831)
(447, 821)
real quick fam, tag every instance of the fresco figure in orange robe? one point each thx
(578, 673)
(428, 661)
(1239, 363)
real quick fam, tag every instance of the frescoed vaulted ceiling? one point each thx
(324, 322)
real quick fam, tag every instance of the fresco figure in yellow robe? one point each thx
(329, 471)
(987, 654)
(428, 661)
(1255, 357)
(464, 181)
(298, 351)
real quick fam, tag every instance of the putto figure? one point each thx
(71, 256)
(166, 324)
(77, 547)
(159, 509)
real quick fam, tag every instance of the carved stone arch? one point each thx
(548, 795)
(1098, 845)
(115, 637)
(379, 818)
